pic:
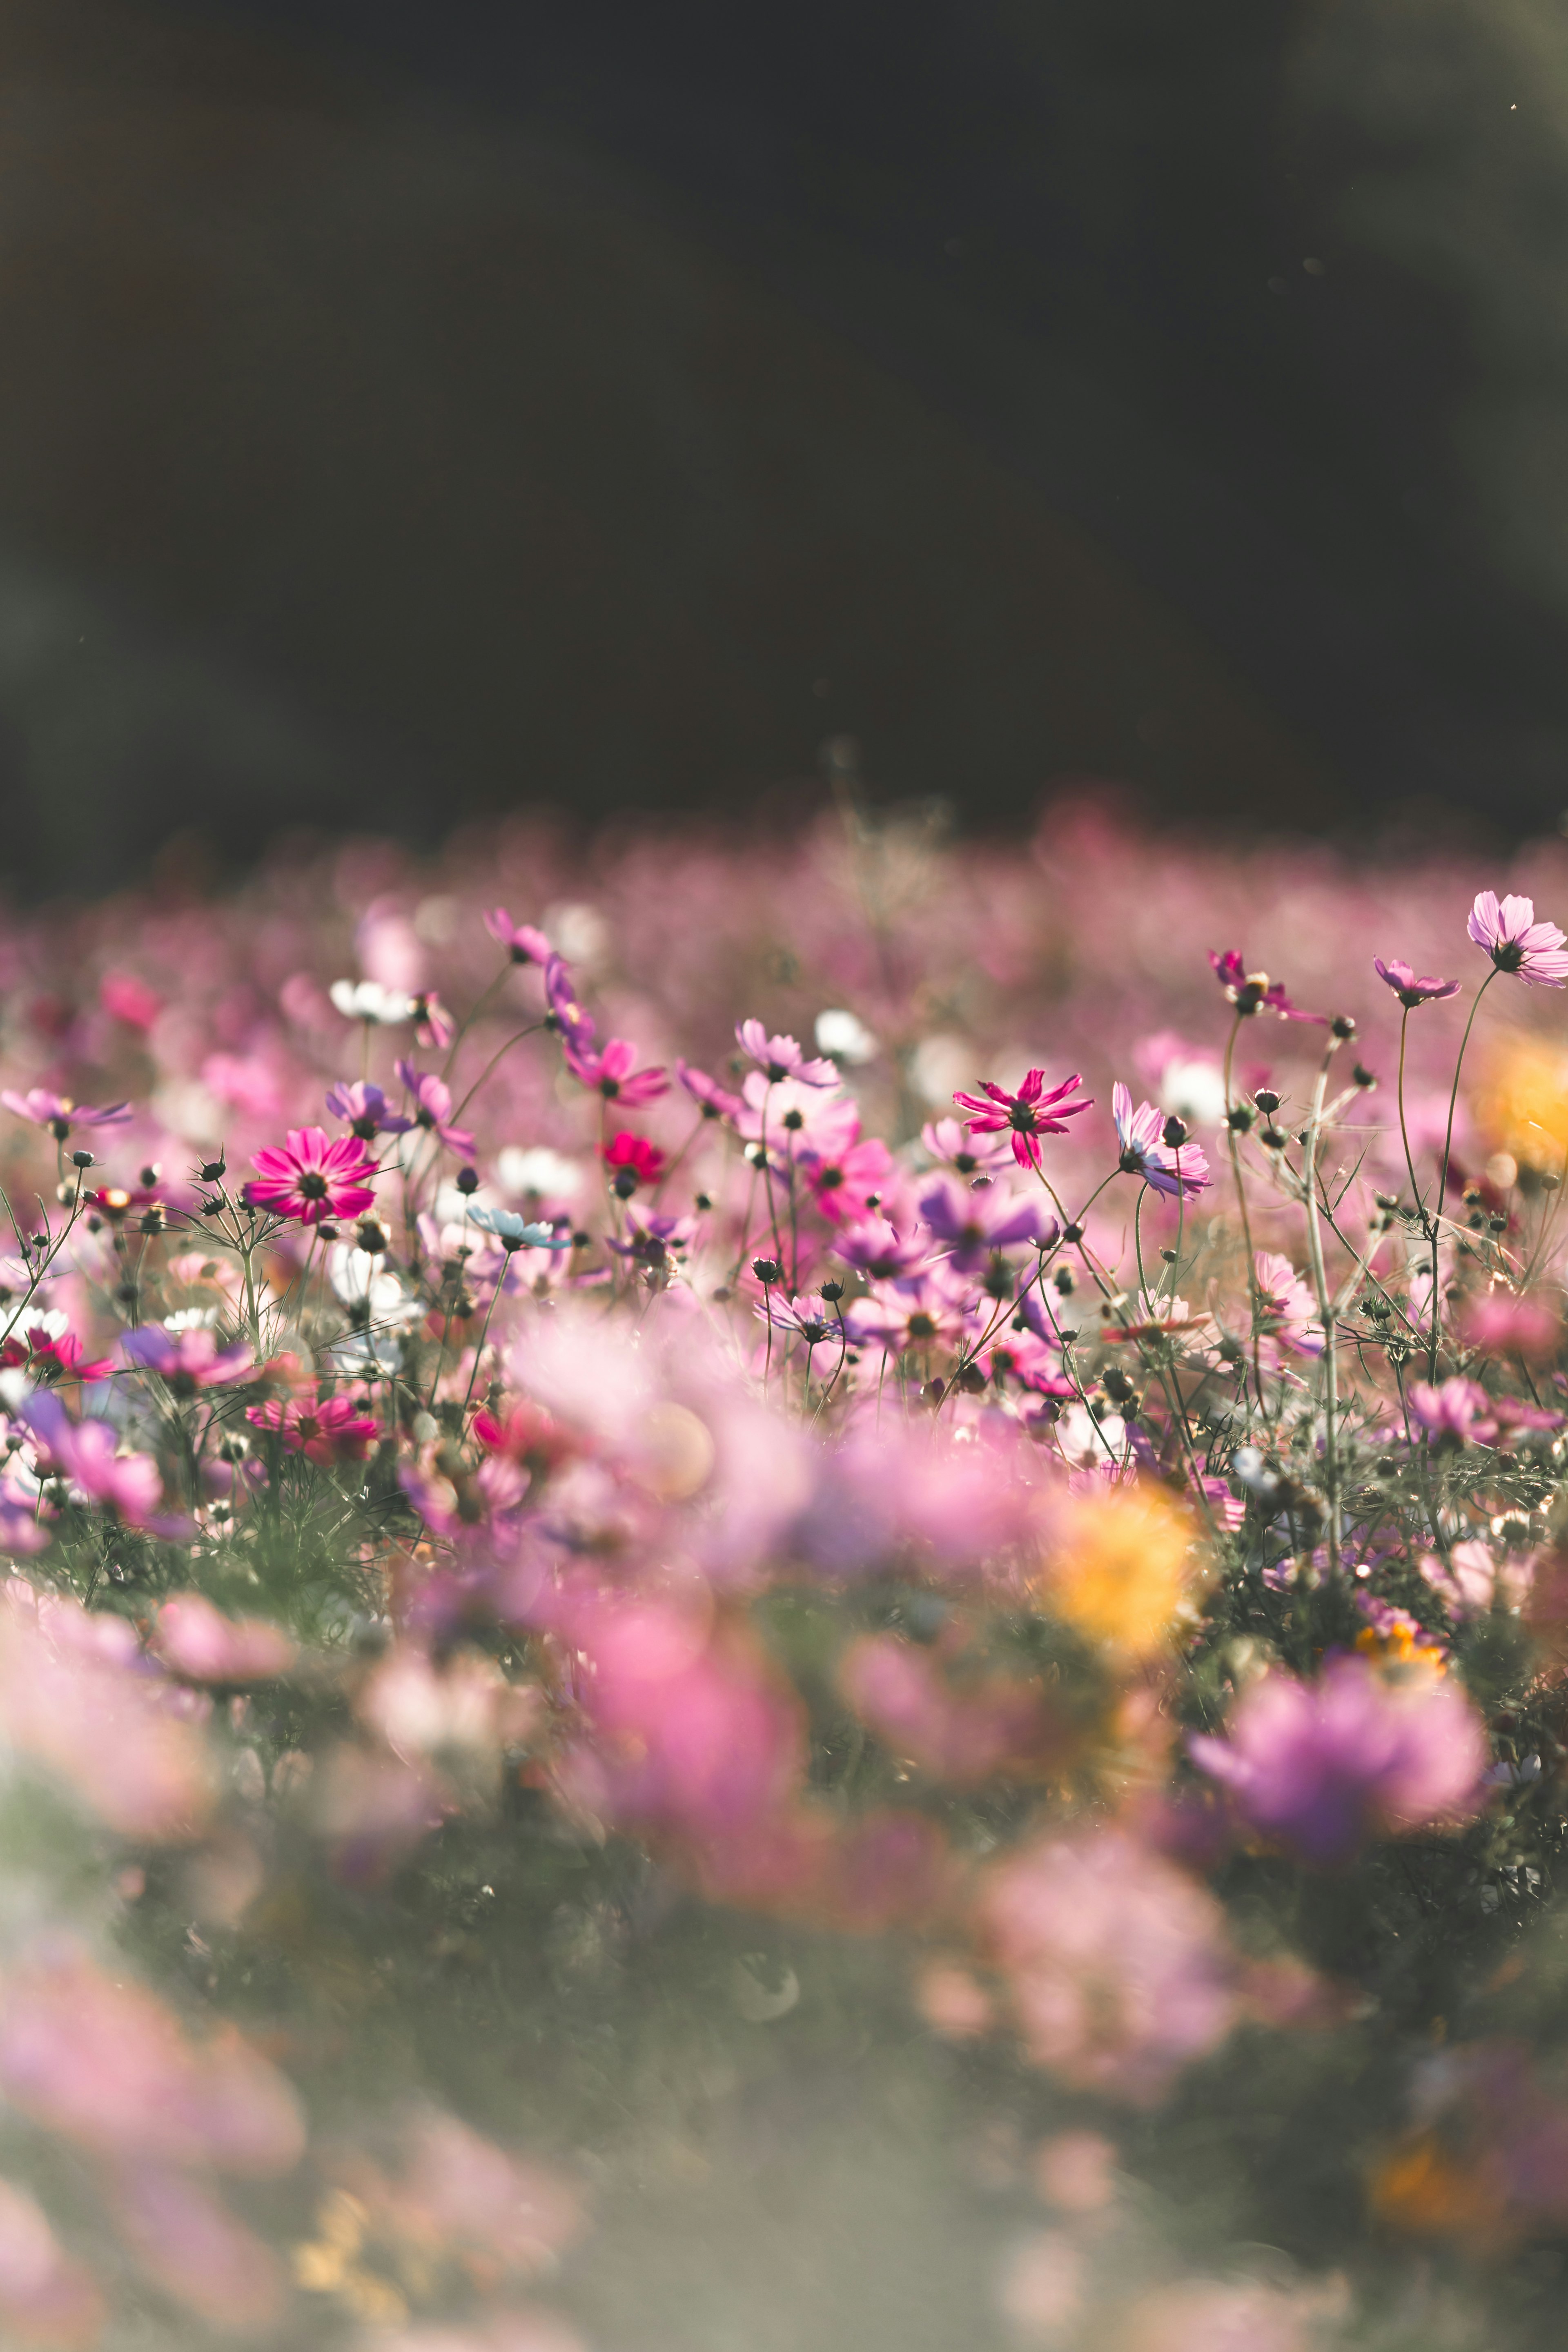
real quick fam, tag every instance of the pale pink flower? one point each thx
(1515, 941)
(522, 941)
(60, 1114)
(196, 1640)
(781, 1057)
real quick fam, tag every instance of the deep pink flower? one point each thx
(365, 1109)
(329, 1431)
(1177, 1169)
(1253, 992)
(976, 1223)
(613, 1072)
(187, 1361)
(1410, 989)
(60, 1114)
(87, 1453)
(1515, 941)
(1323, 1765)
(520, 940)
(716, 1100)
(313, 1177)
(433, 1024)
(52, 1355)
(846, 1181)
(432, 1098)
(633, 1156)
(781, 1057)
(1025, 1115)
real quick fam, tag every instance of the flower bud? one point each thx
(1267, 1099)
(467, 1181)
(81, 1160)
(766, 1270)
(1174, 1133)
(1342, 1026)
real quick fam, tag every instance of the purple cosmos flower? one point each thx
(566, 1016)
(187, 1361)
(1323, 1765)
(877, 1249)
(433, 1107)
(1025, 1115)
(60, 1114)
(1515, 941)
(1253, 992)
(1457, 1412)
(365, 1109)
(614, 1073)
(520, 940)
(1180, 1171)
(976, 1223)
(781, 1057)
(716, 1101)
(313, 1179)
(1410, 991)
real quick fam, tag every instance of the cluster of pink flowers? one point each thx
(1165, 1458)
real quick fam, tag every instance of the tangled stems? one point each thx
(1443, 1179)
(1325, 1309)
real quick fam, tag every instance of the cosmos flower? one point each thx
(312, 1178)
(522, 943)
(60, 1114)
(1412, 990)
(613, 1072)
(186, 1360)
(1515, 941)
(330, 1430)
(781, 1057)
(1178, 1171)
(566, 1016)
(367, 1000)
(717, 1102)
(432, 1100)
(1323, 1765)
(975, 1224)
(1025, 1115)
(365, 1109)
(631, 1161)
(1253, 992)
(517, 1232)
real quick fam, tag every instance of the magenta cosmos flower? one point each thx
(187, 1361)
(522, 943)
(330, 1430)
(566, 1016)
(1321, 1766)
(716, 1101)
(1411, 988)
(974, 1224)
(364, 1109)
(614, 1073)
(314, 1177)
(1025, 1115)
(1180, 1171)
(60, 1114)
(1253, 992)
(1515, 941)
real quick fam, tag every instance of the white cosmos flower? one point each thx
(367, 1000)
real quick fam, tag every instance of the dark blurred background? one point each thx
(414, 408)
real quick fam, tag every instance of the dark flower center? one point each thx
(793, 1119)
(1021, 1117)
(777, 1073)
(1507, 955)
(921, 1327)
(609, 1088)
(1132, 1161)
(312, 1186)
(308, 1425)
(830, 1178)
(965, 1162)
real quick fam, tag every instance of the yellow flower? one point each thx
(1121, 1567)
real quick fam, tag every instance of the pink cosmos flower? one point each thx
(125, 998)
(196, 1640)
(1515, 941)
(781, 1057)
(632, 1160)
(1459, 1412)
(1287, 1303)
(187, 1361)
(614, 1073)
(1410, 991)
(1025, 1115)
(432, 1100)
(877, 1249)
(86, 1453)
(975, 1224)
(1500, 1323)
(919, 1311)
(792, 1116)
(949, 1140)
(52, 1353)
(1179, 1170)
(1116, 1963)
(844, 1182)
(1323, 1765)
(716, 1101)
(433, 1024)
(60, 1114)
(365, 1109)
(1253, 992)
(312, 1178)
(330, 1430)
(522, 943)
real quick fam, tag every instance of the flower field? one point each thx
(787, 1595)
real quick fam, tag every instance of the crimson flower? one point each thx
(1411, 990)
(330, 1430)
(613, 1072)
(1511, 935)
(632, 1160)
(60, 1114)
(520, 940)
(313, 1177)
(1025, 1115)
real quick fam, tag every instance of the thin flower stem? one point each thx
(1443, 1180)
(1325, 1311)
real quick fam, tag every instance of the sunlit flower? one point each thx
(522, 941)
(1515, 941)
(187, 1361)
(330, 1430)
(1179, 1170)
(60, 1114)
(973, 1224)
(432, 1100)
(313, 1177)
(365, 1110)
(716, 1101)
(781, 1057)
(1412, 990)
(1253, 992)
(1025, 1115)
(611, 1072)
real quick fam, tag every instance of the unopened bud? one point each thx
(467, 1181)
(1267, 1099)
(214, 1171)
(81, 1160)
(1342, 1026)
(1174, 1133)
(766, 1270)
